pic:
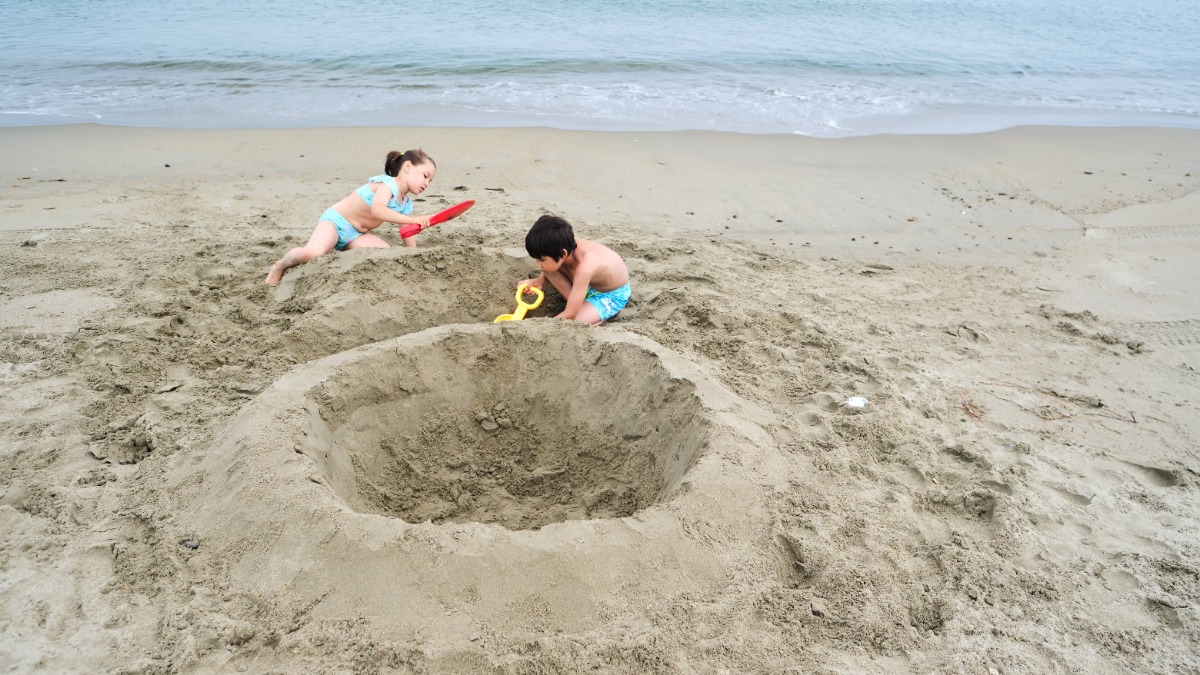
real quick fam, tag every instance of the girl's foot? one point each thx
(275, 275)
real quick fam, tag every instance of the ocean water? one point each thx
(816, 67)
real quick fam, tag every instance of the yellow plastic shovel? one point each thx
(523, 306)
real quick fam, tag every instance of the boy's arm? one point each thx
(579, 288)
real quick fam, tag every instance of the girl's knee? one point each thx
(368, 241)
(306, 253)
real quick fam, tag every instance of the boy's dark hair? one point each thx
(549, 237)
(395, 160)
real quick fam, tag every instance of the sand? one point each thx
(358, 472)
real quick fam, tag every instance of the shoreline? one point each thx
(1019, 494)
(947, 121)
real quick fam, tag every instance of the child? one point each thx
(383, 199)
(591, 276)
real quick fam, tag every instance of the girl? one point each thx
(383, 199)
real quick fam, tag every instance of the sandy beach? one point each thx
(357, 471)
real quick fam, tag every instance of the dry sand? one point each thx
(358, 472)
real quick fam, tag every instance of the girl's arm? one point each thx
(380, 210)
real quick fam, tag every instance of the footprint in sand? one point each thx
(1156, 476)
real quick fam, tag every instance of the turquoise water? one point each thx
(818, 67)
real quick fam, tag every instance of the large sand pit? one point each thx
(491, 428)
(535, 467)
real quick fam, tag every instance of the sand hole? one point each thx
(518, 427)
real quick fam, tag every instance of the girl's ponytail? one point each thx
(396, 159)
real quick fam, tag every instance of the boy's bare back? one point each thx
(608, 271)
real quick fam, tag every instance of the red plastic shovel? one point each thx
(439, 217)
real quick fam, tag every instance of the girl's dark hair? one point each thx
(395, 160)
(549, 237)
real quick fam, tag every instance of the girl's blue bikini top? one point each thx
(368, 194)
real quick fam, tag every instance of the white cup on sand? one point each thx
(855, 403)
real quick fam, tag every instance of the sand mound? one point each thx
(340, 302)
(368, 480)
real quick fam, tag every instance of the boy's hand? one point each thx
(532, 283)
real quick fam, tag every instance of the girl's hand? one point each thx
(423, 221)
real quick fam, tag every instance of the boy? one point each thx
(591, 276)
